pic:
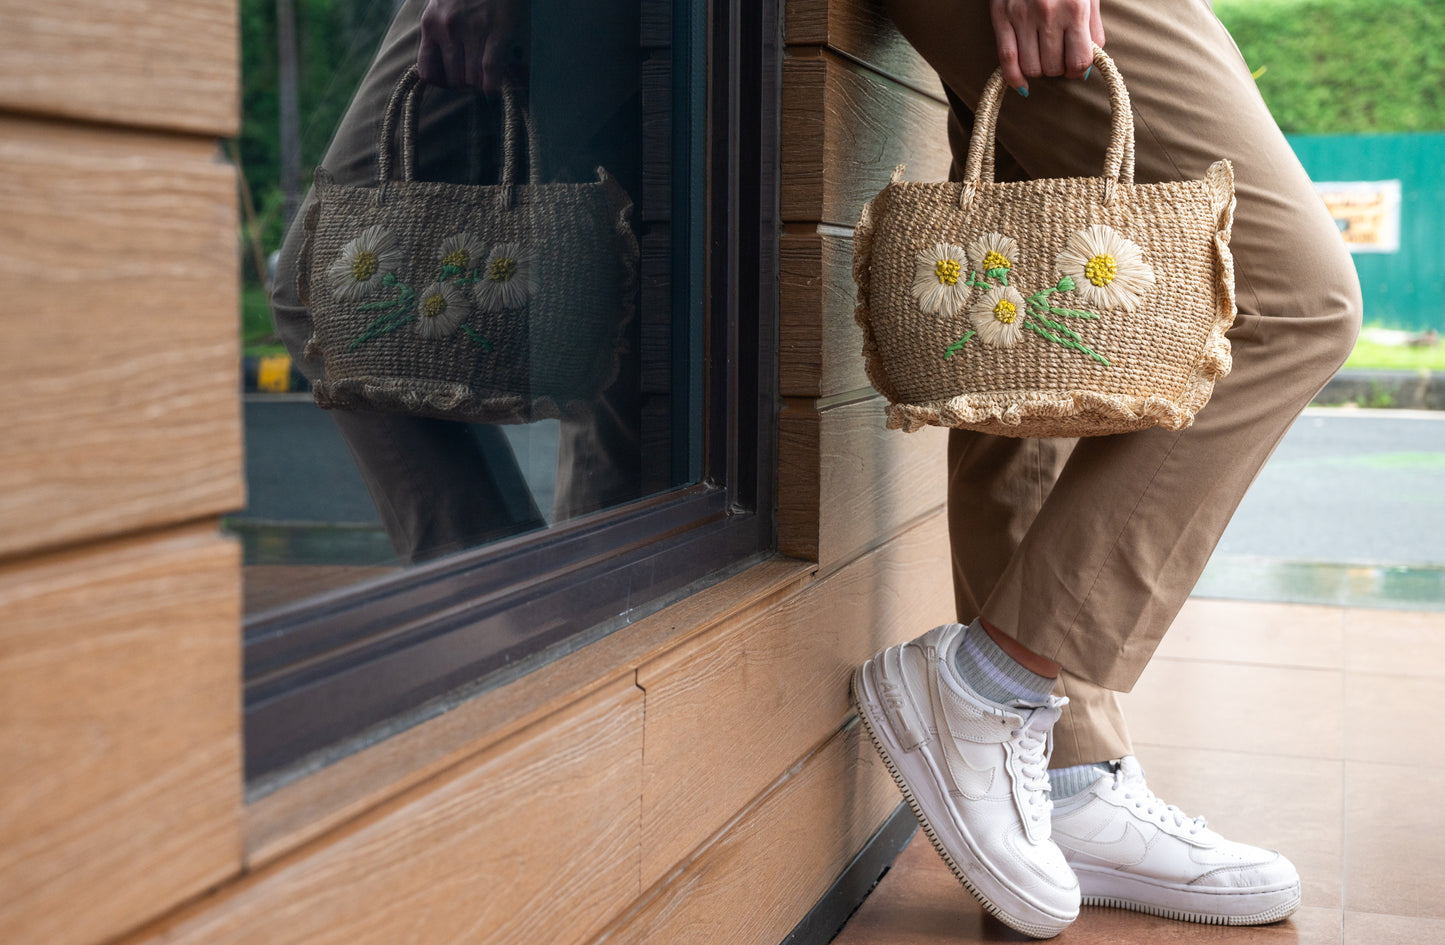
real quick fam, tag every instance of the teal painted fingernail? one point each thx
(1086, 73)
(1023, 91)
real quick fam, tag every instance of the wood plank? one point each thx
(820, 345)
(770, 689)
(862, 30)
(846, 483)
(533, 841)
(120, 737)
(121, 363)
(151, 63)
(306, 809)
(752, 883)
(848, 127)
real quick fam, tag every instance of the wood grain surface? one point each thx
(732, 710)
(861, 30)
(752, 883)
(846, 483)
(121, 362)
(150, 63)
(533, 841)
(820, 351)
(120, 741)
(847, 128)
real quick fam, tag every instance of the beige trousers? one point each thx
(1085, 550)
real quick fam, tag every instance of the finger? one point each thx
(1008, 58)
(1096, 23)
(1028, 43)
(494, 66)
(454, 59)
(1078, 50)
(1051, 51)
(429, 64)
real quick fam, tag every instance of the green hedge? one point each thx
(1345, 66)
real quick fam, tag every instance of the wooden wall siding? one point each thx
(534, 841)
(751, 883)
(861, 30)
(149, 63)
(847, 129)
(731, 710)
(846, 483)
(820, 344)
(121, 361)
(119, 734)
(305, 809)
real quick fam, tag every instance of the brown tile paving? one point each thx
(1368, 833)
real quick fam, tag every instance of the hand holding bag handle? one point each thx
(1118, 157)
(516, 123)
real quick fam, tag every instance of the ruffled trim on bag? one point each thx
(1059, 413)
(442, 401)
(863, 235)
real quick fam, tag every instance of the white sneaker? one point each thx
(975, 775)
(1133, 851)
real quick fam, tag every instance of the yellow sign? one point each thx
(1367, 213)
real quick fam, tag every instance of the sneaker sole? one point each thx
(1268, 906)
(861, 701)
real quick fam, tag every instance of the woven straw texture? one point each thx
(1066, 362)
(545, 350)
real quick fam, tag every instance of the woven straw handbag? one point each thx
(1071, 307)
(500, 303)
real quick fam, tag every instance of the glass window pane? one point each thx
(496, 293)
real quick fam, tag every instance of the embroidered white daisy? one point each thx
(440, 309)
(998, 317)
(940, 281)
(363, 262)
(1108, 270)
(462, 251)
(506, 280)
(992, 251)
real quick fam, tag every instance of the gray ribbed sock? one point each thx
(1066, 782)
(995, 675)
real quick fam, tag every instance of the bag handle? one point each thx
(1118, 157)
(516, 124)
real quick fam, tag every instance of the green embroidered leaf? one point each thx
(1044, 333)
(1000, 273)
(1065, 284)
(486, 345)
(954, 348)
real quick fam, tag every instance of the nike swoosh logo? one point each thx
(1129, 850)
(971, 780)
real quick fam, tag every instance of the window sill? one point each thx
(311, 806)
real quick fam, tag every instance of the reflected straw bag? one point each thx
(500, 303)
(1074, 307)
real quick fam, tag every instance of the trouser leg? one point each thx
(1118, 542)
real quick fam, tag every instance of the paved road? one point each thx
(1349, 486)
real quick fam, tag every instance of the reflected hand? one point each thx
(478, 44)
(1045, 37)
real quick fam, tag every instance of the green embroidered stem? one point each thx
(1044, 333)
(486, 345)
(954, 348)
(973, 281)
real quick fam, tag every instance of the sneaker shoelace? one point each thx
(1145, 800)
(1032, 764)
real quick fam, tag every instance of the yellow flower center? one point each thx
(1005, 311)
(502, 269)
(995, 260)
(457, 258)
(433, 306)
(948, 271)
(1102, 269)
(364, 265)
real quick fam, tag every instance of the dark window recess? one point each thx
(335, 672)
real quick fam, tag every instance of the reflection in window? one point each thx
(498, 357)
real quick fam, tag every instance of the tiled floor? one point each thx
(1314, 730)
